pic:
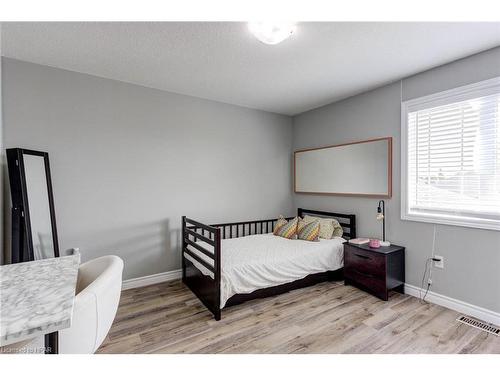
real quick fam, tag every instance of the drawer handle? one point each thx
(362, 256)
(364, 274)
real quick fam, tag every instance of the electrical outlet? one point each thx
(439, 263)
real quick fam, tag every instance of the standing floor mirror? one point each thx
(34, 233)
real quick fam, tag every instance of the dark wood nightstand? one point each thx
(375, 270)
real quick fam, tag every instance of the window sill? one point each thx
(472, 223)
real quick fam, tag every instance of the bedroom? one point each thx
(170, 150)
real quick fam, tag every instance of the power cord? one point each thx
(422, 299)
(427, 262)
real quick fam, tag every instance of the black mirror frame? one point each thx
(22, 241)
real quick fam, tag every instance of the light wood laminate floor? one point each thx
(325, 318)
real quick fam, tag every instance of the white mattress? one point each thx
(264, 260)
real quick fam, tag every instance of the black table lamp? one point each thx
(381, 216)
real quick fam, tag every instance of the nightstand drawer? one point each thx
(372, 283)
(364, 262)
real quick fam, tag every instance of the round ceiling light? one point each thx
(271, 33)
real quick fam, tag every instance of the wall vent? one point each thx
(479, 324)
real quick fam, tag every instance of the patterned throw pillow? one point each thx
(326, 226)
(281, 221)
(308, 231)
(289, 230)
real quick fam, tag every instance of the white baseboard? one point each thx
(151, 279)
(455, 304)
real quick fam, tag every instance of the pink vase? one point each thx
(374, 243)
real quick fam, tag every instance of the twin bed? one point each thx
(230, 263)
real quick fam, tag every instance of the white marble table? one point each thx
(36, 297)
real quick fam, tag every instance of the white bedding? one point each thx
(264, 260)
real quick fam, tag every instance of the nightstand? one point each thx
(375, 270)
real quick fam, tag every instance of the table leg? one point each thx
(52, 343)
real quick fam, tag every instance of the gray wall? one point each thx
(472, 256)
(128, 161)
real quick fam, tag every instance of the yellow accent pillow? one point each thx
(338, 231)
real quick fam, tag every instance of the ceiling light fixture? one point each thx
(271, 33)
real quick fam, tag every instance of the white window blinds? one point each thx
(452, 163)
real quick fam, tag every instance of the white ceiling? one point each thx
(321, 63)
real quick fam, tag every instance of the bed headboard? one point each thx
(347, 221)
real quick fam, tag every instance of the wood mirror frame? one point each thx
(387, 194)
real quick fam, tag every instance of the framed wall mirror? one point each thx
(34, 233)
(361, 168)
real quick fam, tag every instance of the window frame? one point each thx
(471, 91)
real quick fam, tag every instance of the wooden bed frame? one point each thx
(207, 289)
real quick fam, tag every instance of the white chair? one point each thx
(98, 292)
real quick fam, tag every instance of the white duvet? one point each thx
(264, 260)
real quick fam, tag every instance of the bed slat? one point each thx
(199, 259)
(199, 236)
(201, 249)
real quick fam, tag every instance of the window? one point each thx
(451, 157)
